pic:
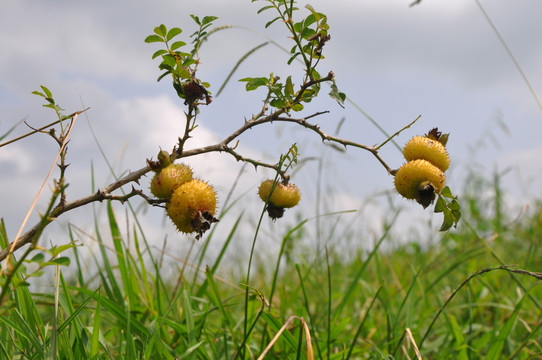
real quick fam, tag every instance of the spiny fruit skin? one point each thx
(419, 180)
(283, 196)
(192, 207)
(170, 178)
(422, 147)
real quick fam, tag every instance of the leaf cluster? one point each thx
(48, 96)
(282, 95)
(448, 205)
(309, 36)
(182, 65)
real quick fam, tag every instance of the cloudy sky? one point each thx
(439, 59)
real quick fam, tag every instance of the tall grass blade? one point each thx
(496, 349)
(511, 54)
(276, 326)
(203, 287)
(109, 283)
(228, 319)
(95, 338)
(459, 339)
(285, 239)
(357, 277)
(307, 309)
(188, 312)
(362, 323)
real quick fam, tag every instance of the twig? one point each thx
(100, 195)
(15, 245)
(398, 132)
(38, 130)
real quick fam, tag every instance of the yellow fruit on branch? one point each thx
(283, 196)
(170, 178)
(192, 207)
(426, 148)
(419, 180)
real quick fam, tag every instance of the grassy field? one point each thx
(469, 293)
(453, 298)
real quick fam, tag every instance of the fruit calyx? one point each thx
(164, 160)
(434, 134)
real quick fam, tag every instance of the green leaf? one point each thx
(446, 192)
(307, 33)
(309, 94)
(293, 57)
(208, 19)
(63, 261)
(277, 103)
(451, 210)
(58, 249)
(38, 258)
(337, 95)
(163, 75)
(35, 92)
(183, 73)
(195, 18)
(177, 44)
(444, 139)
(454, 205)
(297, 107)
(189, 61)
(161, 30)
(440, 205)
(265, 8)
(153, 38)
(269, 23)
(289, 87)
(169, 60)
(317, 16)
(46, 91)
(173, 32)
(158, 53)
(254, 83)
(37, 273)
(448, 221)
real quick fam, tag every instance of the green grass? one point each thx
(381, 305)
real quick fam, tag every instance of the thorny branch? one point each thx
(223, 146)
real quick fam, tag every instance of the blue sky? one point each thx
(440, 60)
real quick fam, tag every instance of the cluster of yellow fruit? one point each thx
(422, 177)
(283, 196)
(191, 202)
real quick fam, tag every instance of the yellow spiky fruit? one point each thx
(419, 180)
(192, 207)
(283, 196)
(170, 178)
(423, 147)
